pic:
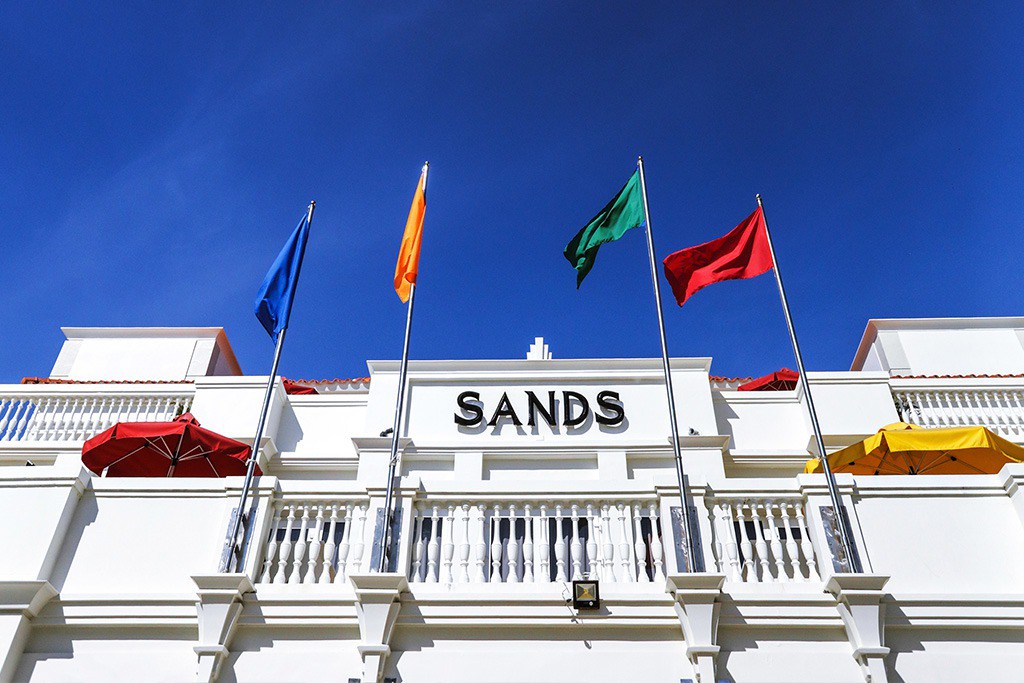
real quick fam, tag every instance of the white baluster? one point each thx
(316, 536)
(480, 547)
(731, 542)
(420, 528)
(295, 575)
(598, 531)
(45, 420)
(760, 544)
(559, 546)
(746, 547)
(528, 550)
(447, 546)
(434, 547)
(543, 540)
(806, 546)
(512, 548)
(268, 562)
(961, 414)
(593, 562)
(624, 560)
(286, 549)
(359, 542)
(576, 547)
(639, 547)
(608, 547)
(345, 547)
(464, 547)
(945, 407)
(19, 421)
(495, 576)
(1017, 409)
(35, 425)
(327, 571)
(6, 410)
(792, 549)
(657, 549)
(775, 542)
(82, 423)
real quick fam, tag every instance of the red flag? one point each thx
(742, 253)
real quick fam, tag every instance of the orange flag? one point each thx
(409, 255)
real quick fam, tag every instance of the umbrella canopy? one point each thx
(902, 448)
(165, 449)
(781, 380)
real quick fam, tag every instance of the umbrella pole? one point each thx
(229, 544)
(830, 480)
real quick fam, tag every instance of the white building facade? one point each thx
(517, 476)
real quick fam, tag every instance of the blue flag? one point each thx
(274, 300)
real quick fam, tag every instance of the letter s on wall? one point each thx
(475, 410)
(609, 402)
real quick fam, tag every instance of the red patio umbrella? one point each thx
(180, 448)
(782, 380)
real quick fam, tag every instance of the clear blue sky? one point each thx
(155, 159)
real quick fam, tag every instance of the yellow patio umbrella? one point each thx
(902, 448)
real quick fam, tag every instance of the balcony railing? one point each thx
(997, 408)
(314, 542)
(77, 412)
(463, 542)
(762, 541)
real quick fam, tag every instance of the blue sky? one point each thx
(155, 159)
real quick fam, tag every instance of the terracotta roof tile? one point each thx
(55, 380)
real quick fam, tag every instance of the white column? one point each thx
(697, 604)
(218, 607)
(859, 601)
(378, 602)
(20, 603)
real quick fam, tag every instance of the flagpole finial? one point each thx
(758, 198)
(640, 159)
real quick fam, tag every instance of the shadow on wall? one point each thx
(85, 514)
(289, 431)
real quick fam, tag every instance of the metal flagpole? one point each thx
(396, 429)
(232, 539)
(830, 479)
(684, 494)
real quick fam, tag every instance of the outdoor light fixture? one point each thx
(586, 595)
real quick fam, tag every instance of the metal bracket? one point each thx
(378, 538)
(840, 561)
(680, 539)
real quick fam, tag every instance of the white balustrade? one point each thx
(998, 409)
(762, 541)
(314, 542)
(536, 542)
(57, 416)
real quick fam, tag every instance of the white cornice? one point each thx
(590, 368)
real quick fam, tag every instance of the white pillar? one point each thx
(697, 603)
(859, 601)
(378, 602)
(20, 602)
(218, 607)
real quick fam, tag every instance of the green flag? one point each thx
(623, 212)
